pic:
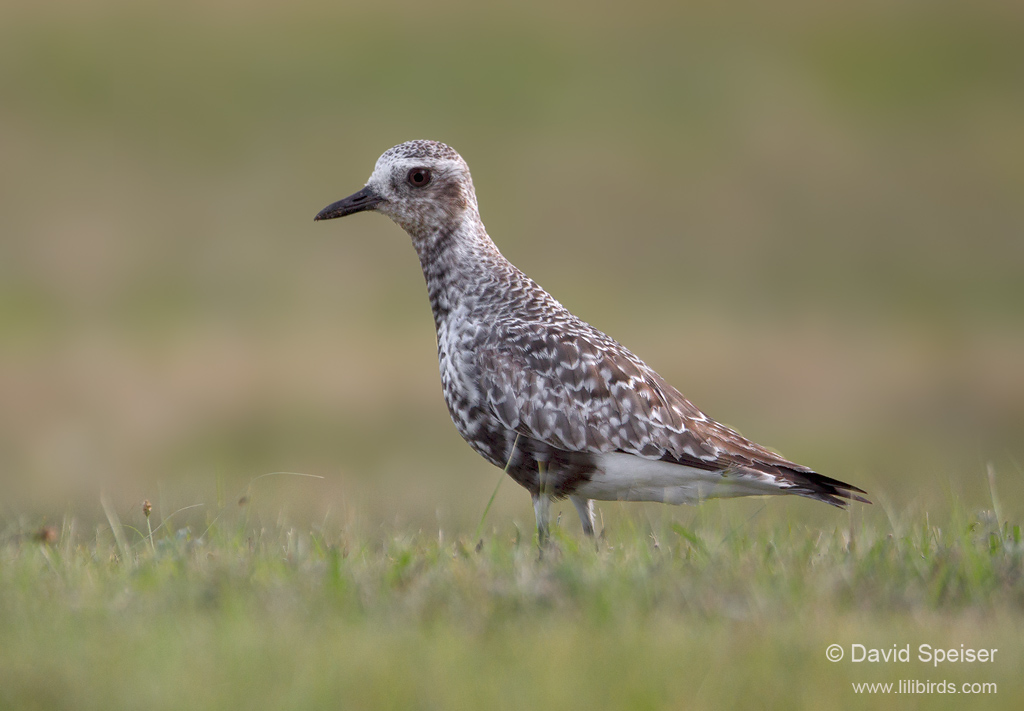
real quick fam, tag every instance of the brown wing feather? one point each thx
(586, 393)
(589, 394)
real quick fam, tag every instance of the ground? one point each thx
(234, 611)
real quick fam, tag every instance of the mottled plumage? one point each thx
(565, 409)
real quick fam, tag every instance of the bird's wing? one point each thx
(584, 392)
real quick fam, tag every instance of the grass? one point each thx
(232, 611)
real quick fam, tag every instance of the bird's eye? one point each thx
(418, 177)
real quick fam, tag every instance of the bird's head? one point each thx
(422, 185)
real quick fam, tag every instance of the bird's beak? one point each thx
(365, 199)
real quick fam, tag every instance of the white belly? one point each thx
(624, 477)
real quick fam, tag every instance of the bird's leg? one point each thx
(542, 505)
(542, 509)
(585, 508)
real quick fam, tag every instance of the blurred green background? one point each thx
(809, 218)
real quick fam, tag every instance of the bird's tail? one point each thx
(823, 488)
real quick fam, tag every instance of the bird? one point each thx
(565, 410)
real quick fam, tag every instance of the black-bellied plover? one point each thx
(563, 408)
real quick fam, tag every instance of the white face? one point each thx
(422, 188)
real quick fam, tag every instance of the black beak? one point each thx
(365, 199)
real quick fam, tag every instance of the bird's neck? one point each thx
(457, 258)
